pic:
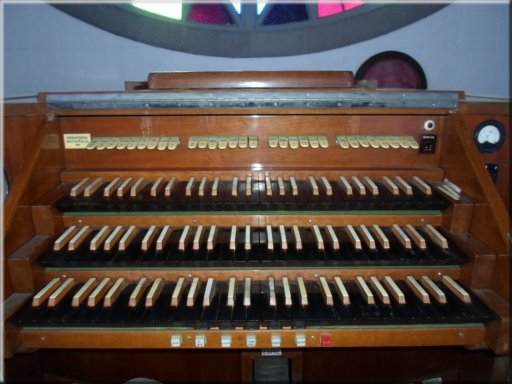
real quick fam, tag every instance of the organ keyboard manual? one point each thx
(279, 217)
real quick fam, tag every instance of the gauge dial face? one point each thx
(489, 136)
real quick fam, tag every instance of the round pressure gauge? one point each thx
(489, 136)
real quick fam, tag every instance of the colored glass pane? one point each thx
(286, 13)
(172, 10)
(328, 9)
(210, 14)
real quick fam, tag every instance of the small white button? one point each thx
(200, 341)
(175, 341)
(300, 340)
(251, 341)
(275, 341)
(225, 341)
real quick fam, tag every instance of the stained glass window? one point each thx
(286, 13)
(329, 8)
(206, 26)
(210, 14)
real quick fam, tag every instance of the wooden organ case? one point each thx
(251, 211)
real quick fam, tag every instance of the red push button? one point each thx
(325, 340)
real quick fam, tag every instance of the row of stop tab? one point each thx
(251, 340)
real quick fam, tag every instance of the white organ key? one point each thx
(182, 243)
(360, 187)
(215, 187)
(270, 239)
(136, 187)
(189, 186)
(342, 291)
(272, 301)
(326, 292)
(247, 292)
(163, 238)
(154, 292)
(287, 292)
(64, 238)
(168, 187)
(128, 237)
(93, 187)
(433, 289)
(234, 188)
(98, 293)
(422, 185)
(318, 237)
(367, 236)
(112, 239)
(61, 292)
(416, 237)
(196, 243)
(210, 242)
(396, 292)
(232, 238)
(436, 236)
(153, 192)
(98, 239)
(345, 185)
(456, 289)
(137, 293)
(384, 297)
(444, 189)
(268, 186)
(401, 236)
(177, 292)
(354, 238)
(280, 185)
(209, 292)
(113, 293)
(83, 292)
(247, 242)
(79, 238)
(79, 188)
(110, 187)
(365, 290)
(404, 185)
(293, 184)
(391, 186)
(303, 293)
(314, 186)
(418, 289)
(298, 239)
(327, 185)
(381, 236)
(231, 292)
(374, 190)
(202, 184)
(284, 242)
(148, 238)
(248, 186)
(123, 187)
(44, 293)
(192, 292)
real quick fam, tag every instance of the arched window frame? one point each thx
(247, 37)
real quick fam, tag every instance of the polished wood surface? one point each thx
(251, 79)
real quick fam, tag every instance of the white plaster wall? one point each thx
(462, 47)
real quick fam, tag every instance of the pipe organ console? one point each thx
(196, 215)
